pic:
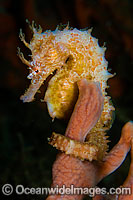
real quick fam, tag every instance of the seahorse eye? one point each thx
(68, 58)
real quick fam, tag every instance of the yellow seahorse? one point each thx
(72, 55)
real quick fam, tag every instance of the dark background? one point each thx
(25, 156)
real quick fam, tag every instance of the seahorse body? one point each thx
(73, 55)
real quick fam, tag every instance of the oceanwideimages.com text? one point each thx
(8, 189)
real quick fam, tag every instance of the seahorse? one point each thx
(71, 55)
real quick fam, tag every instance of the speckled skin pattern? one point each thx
(72, 55)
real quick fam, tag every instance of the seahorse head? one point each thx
(45, 59)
